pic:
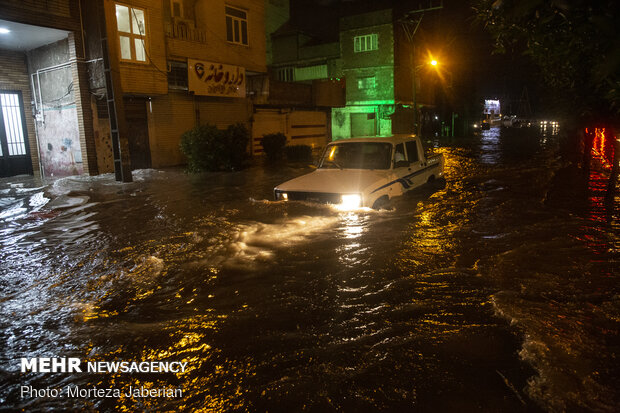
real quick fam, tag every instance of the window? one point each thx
(131, 26)
(13, 127)
(311, 72)
(365, 43)
(399, 153)
(357, 155)
(412, 151)
(286, 74)
(236, 26)
(176, 8)
(367, 82)
(177, 75)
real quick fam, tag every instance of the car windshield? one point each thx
(357, 155)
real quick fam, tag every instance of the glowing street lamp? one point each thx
(414, 70)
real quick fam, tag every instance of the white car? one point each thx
(364, 172)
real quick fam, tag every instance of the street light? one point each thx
(415, 69)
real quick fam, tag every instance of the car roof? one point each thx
(387, 139)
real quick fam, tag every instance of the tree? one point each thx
(575, 43)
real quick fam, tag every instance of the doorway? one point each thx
(138, 132)
(363, 124)
(14, 148)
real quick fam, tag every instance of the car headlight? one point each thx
(350, 201)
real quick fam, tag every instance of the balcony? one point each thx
(319, 93)
(184, 30)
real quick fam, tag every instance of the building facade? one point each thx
(302, 86)
(176, 64)
(46, 124)
(373, 60)
(182, 63)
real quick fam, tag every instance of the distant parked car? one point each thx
(364, 172)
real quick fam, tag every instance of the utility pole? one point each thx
(410, 23)
(114, 98)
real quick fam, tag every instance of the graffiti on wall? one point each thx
(216, 79)
(59, 143)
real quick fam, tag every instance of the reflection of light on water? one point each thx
(353, 228)
(489, 140)
(549, 128)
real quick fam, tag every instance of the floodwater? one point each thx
(495, 292)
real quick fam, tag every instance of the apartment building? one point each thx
(176, 63)
(181, 63)
(372, 60)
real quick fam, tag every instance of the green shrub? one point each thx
(209, 149)
(273, 145)
(298, 153)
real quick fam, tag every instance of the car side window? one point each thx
(412, 151)
(399, 153)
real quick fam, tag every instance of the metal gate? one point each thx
(363, 124)
(138, 132)
(14, 150)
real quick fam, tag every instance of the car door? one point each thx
(400, 170)
(415, 169)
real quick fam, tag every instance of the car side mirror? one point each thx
(401, 164)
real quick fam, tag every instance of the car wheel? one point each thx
(381, 203)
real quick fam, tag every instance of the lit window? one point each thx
(236, 26)
(366, 43)
(131, 26)
(366, 82)
(13, 127)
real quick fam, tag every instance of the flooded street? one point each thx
(495, 292)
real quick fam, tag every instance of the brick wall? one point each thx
(58, 14)
(150, 77)
(14, 76)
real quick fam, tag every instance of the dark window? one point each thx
(177, 75)
(236, 26)
(412, 151)
(357, 155)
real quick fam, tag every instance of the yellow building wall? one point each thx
(141, 78)
(171, 116)
(211, 17)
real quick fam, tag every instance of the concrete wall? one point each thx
(57, 120)
(382, 93)
(14, 76)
